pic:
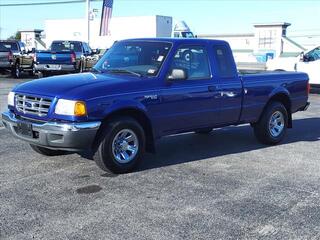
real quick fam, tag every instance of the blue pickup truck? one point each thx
(144, 89)
(66, 57)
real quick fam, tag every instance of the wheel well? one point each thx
(285, 100)
(137, 115)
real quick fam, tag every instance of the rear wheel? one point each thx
(80, 70)
(121, 146)
(33, 71)
(273, 124)
(46, 151)
(16, 70)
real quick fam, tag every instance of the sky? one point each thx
(203, 16)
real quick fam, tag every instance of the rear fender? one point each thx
(282, 95)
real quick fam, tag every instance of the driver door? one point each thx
(189, 103)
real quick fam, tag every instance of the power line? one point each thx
(44, 3)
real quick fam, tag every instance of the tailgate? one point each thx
(4, 57)
(61, 58)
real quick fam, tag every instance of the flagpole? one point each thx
(88, 19)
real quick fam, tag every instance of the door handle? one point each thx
(212, 88)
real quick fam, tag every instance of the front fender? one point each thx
(125, 104)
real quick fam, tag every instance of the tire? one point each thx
(32, 73)
(111, 144)
(204, 131)
(16, 71)
(265, 130)
(46, 151)
(80, 70)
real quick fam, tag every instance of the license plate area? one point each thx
(25, 129)
(53, 67)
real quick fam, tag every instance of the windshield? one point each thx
(8, 46)
(143, 58)
(66, 46)
(187, 35)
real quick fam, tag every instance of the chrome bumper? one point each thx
(53, 135)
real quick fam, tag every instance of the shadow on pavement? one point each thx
(193, 147)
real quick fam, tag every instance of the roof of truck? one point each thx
(179, 40)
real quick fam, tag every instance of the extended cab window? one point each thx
(193, 60)
(223, 64)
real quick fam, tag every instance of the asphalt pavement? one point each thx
(224, 185)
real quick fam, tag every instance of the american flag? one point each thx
(106, 17)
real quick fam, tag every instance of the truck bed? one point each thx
(258, 87)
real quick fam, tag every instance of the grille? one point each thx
(33, 105)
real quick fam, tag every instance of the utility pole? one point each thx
(88, 19)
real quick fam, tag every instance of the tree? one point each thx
(16, 36)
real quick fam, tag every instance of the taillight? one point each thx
(308, 88)
(73, 57)
(10, 57)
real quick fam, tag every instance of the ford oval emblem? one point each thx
(54, 57)
(29, 104)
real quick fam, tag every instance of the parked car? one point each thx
(308, 62)
(16, 58)
(66, 57)
(144, 89)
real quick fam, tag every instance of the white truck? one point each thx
(308, 62)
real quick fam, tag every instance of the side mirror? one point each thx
(177, 74)
(302, 57)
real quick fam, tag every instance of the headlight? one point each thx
(11, 99)
(71, 108)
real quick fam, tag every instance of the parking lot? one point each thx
(224, 185)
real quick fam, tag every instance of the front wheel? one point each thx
(121, 146)
(273, 124)
(47, 151)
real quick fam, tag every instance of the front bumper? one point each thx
(54, 135)
(55, 68)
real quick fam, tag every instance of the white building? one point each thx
(120, 28)
(32, 38)
(269, 40)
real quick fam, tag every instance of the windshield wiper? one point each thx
(123, 71)
(95, 70)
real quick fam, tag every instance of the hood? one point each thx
(79, 86)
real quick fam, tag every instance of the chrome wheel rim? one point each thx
(125, 146)
(276, 124)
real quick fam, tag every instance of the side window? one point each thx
(193, 60)
(224, 66)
